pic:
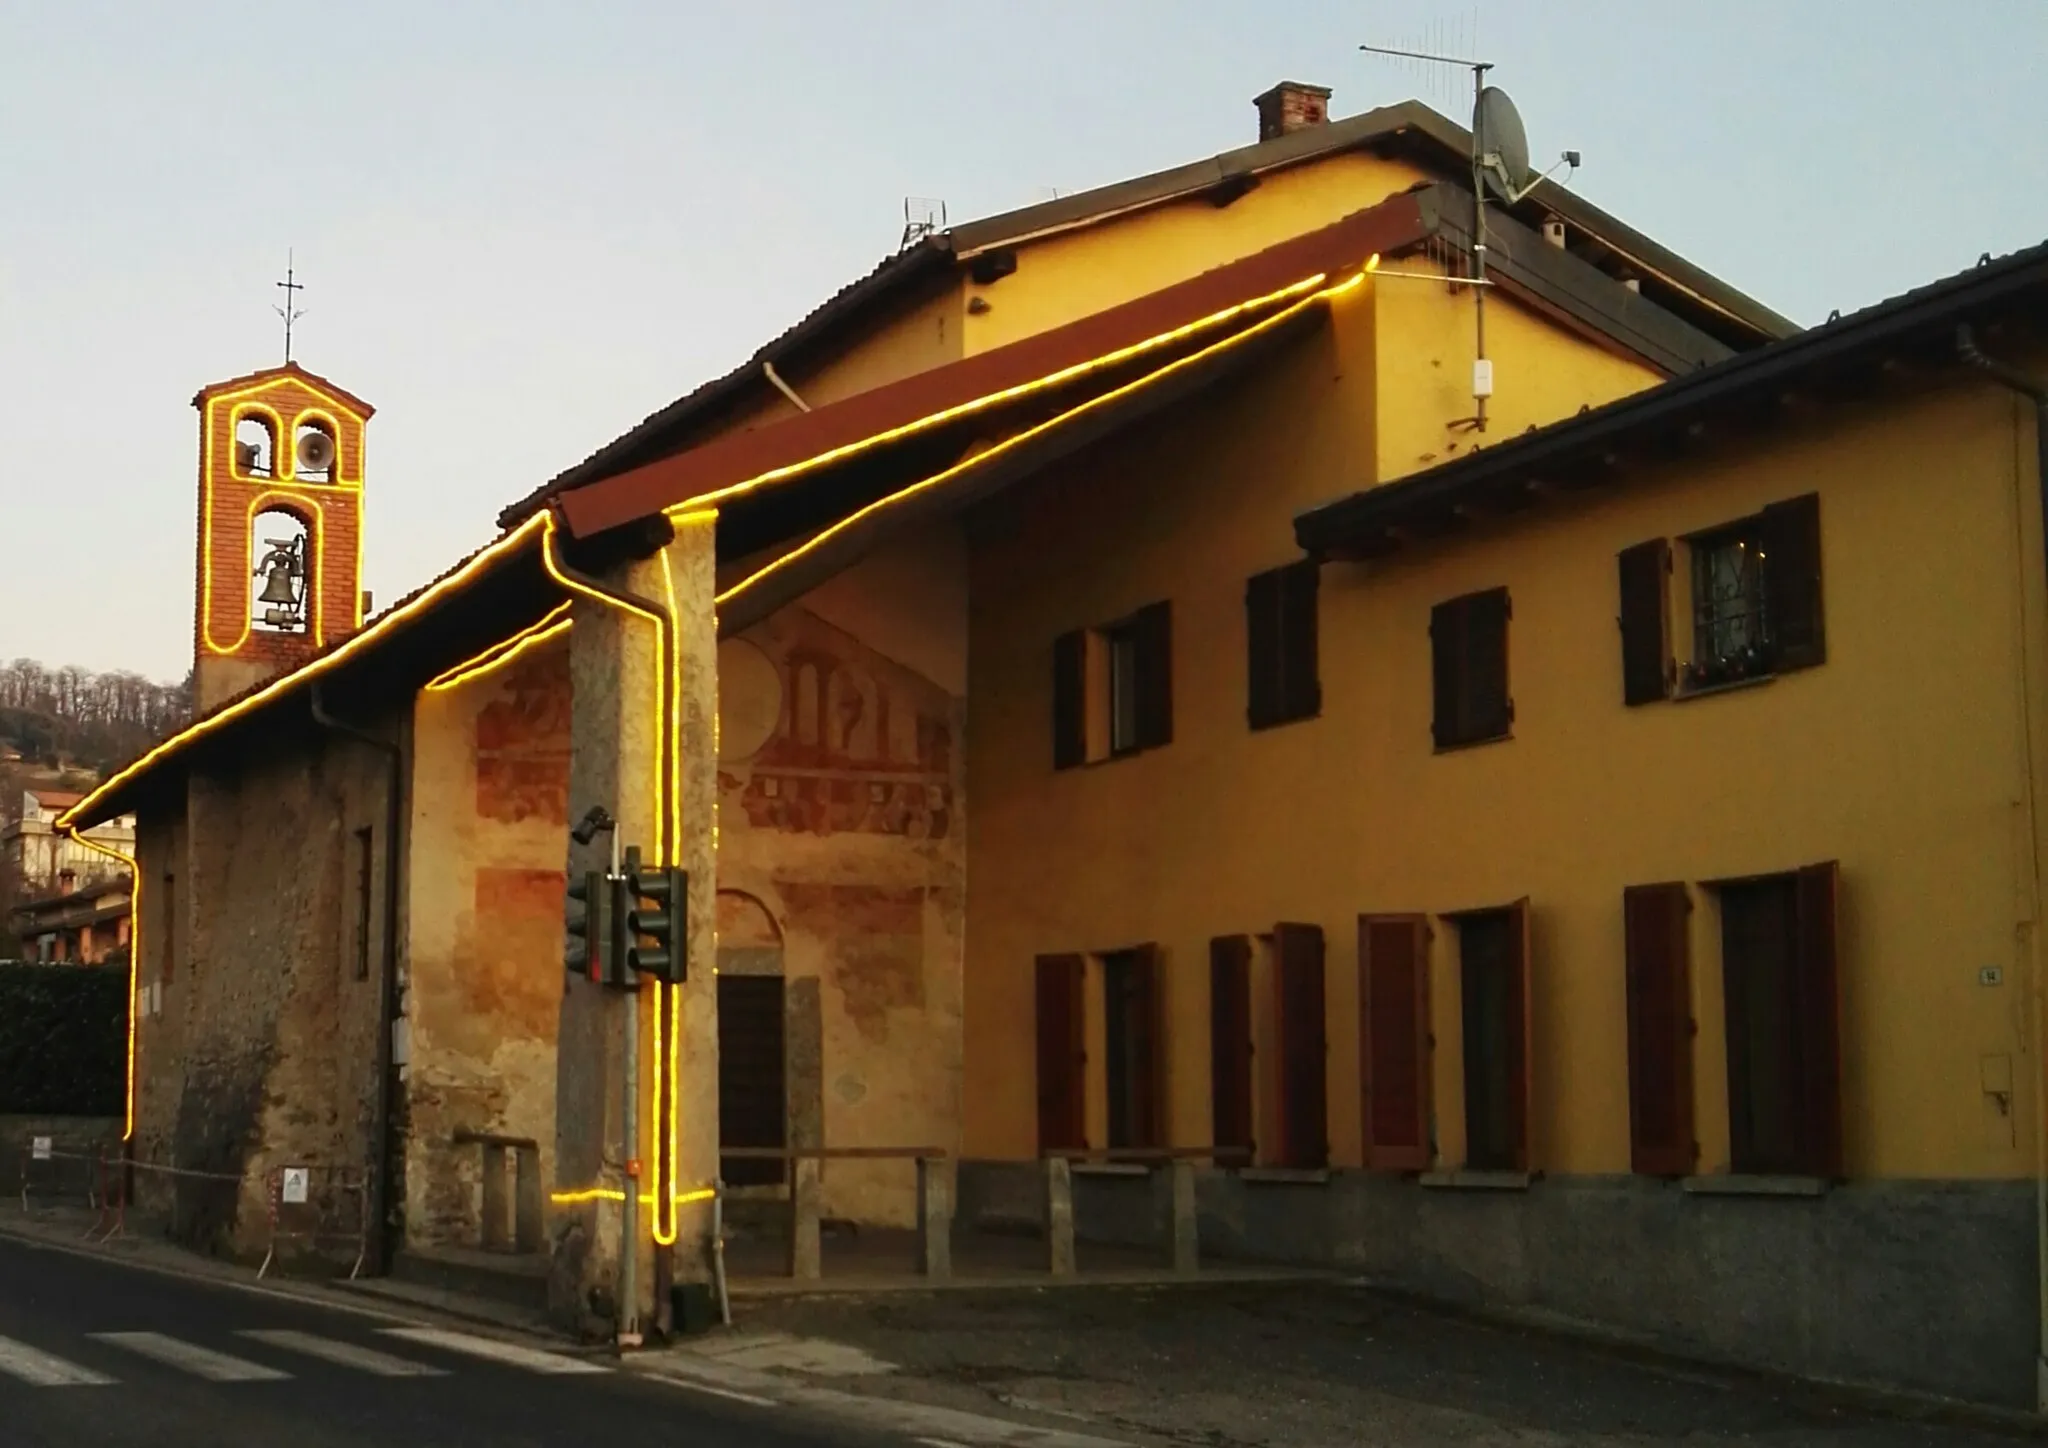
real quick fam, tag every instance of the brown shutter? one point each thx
(1488, 710)
(1660, 1029)
(1792, 581)
(1304, 1047)
(1394, 1037)
(1230, 1044)
(1062, 1054)
(1645, 622)
(1069, 700)
(1147, 1062)
(1447, 671)
(1820, 1032)
(1301, 688)
(1264, 649)
(1520, 1030)
(1153, 625)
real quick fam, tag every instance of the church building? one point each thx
(1531, 776)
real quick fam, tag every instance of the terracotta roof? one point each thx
(1446, 146)
(290, 370)
(55, 798)
(1841, 360)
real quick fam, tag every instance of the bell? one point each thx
(278, 587)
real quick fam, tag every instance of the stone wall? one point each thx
(259, 993)
(483, 977)
(842, 856)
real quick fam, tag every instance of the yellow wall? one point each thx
(1901, 757)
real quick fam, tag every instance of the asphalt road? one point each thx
(95, 1354)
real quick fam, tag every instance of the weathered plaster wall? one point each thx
(258, 1034)
(841, 844)
(483, 980)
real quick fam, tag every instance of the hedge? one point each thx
(63, 1039)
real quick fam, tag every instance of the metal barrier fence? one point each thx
(59, 1177)
(318, 1205)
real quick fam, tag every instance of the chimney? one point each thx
(1291, 106)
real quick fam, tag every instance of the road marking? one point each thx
(202, 1362)
(939, 1443)
(532, 1359)
(347, 1354)
(45, 1370)
(734, 1393)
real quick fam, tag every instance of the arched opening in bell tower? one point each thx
(255, 446)
(280, 563)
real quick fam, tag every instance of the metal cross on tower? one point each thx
(289, 311)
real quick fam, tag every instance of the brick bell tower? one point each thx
(280, 526)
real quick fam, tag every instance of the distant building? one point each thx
(85, 924)
(35, 855)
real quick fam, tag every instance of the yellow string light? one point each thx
(134, 957)
(555, 622)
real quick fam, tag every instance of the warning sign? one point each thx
(295, 1184)
(39, 1148)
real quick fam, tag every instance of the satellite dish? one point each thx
(316, 452)
(1502, 144)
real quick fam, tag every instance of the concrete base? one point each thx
(1926, 1286)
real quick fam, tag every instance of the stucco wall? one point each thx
(483, 981)
(260, 1050)
(841, 844)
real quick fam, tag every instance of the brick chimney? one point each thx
(1290, 106)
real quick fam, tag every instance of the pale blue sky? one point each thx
(525, 225)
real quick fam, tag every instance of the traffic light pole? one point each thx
(629, 1244)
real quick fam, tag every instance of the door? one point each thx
(753, 1108)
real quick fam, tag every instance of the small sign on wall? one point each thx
(39, 1148)
(294, 1193)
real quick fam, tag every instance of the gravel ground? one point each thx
(1305, 1365)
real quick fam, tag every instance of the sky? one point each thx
(523, 226)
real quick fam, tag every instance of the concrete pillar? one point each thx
(1176, 1184)
(935, 1216)
(615, 733)
(1059, 1216)
(803, 1025)
(806, 1245)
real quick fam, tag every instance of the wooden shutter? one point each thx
(1645, 622)
(1304, 1047)
(1394, 1039)
(1153, 625)
(1792, 581)
(1147, 1062)
(1489, 711)
(1062, 1054)
(1819, 1005)
(1230, 1044)
(1447, 671)
(1655, 921)
(1069, 700)
(1264, 642)
(1301, 687)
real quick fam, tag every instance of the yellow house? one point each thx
(1121, 679)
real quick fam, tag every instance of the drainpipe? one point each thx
(629, 1327)
(2036, 390)
(379, 1205)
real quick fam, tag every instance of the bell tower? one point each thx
(280, 526)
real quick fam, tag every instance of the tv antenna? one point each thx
(923, 216)
(289, 311)
(1500, 164)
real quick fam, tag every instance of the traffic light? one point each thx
(656, 915)
(593, 941)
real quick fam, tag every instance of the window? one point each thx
(1304, 1048)
(1469, 655)
(1756, 596)
(1493, 975)
(1280, 635)
(1784, 1049)
(1660, 1029)
(1230, 1049)
(1131, 1056)
(1062, 1053)
(168, 968)
(1112, 688)
(364, 851)
(1394, 1039)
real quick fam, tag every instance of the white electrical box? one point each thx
(1482, 377)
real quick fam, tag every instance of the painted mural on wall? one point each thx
(522, 743)
(849, 741)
